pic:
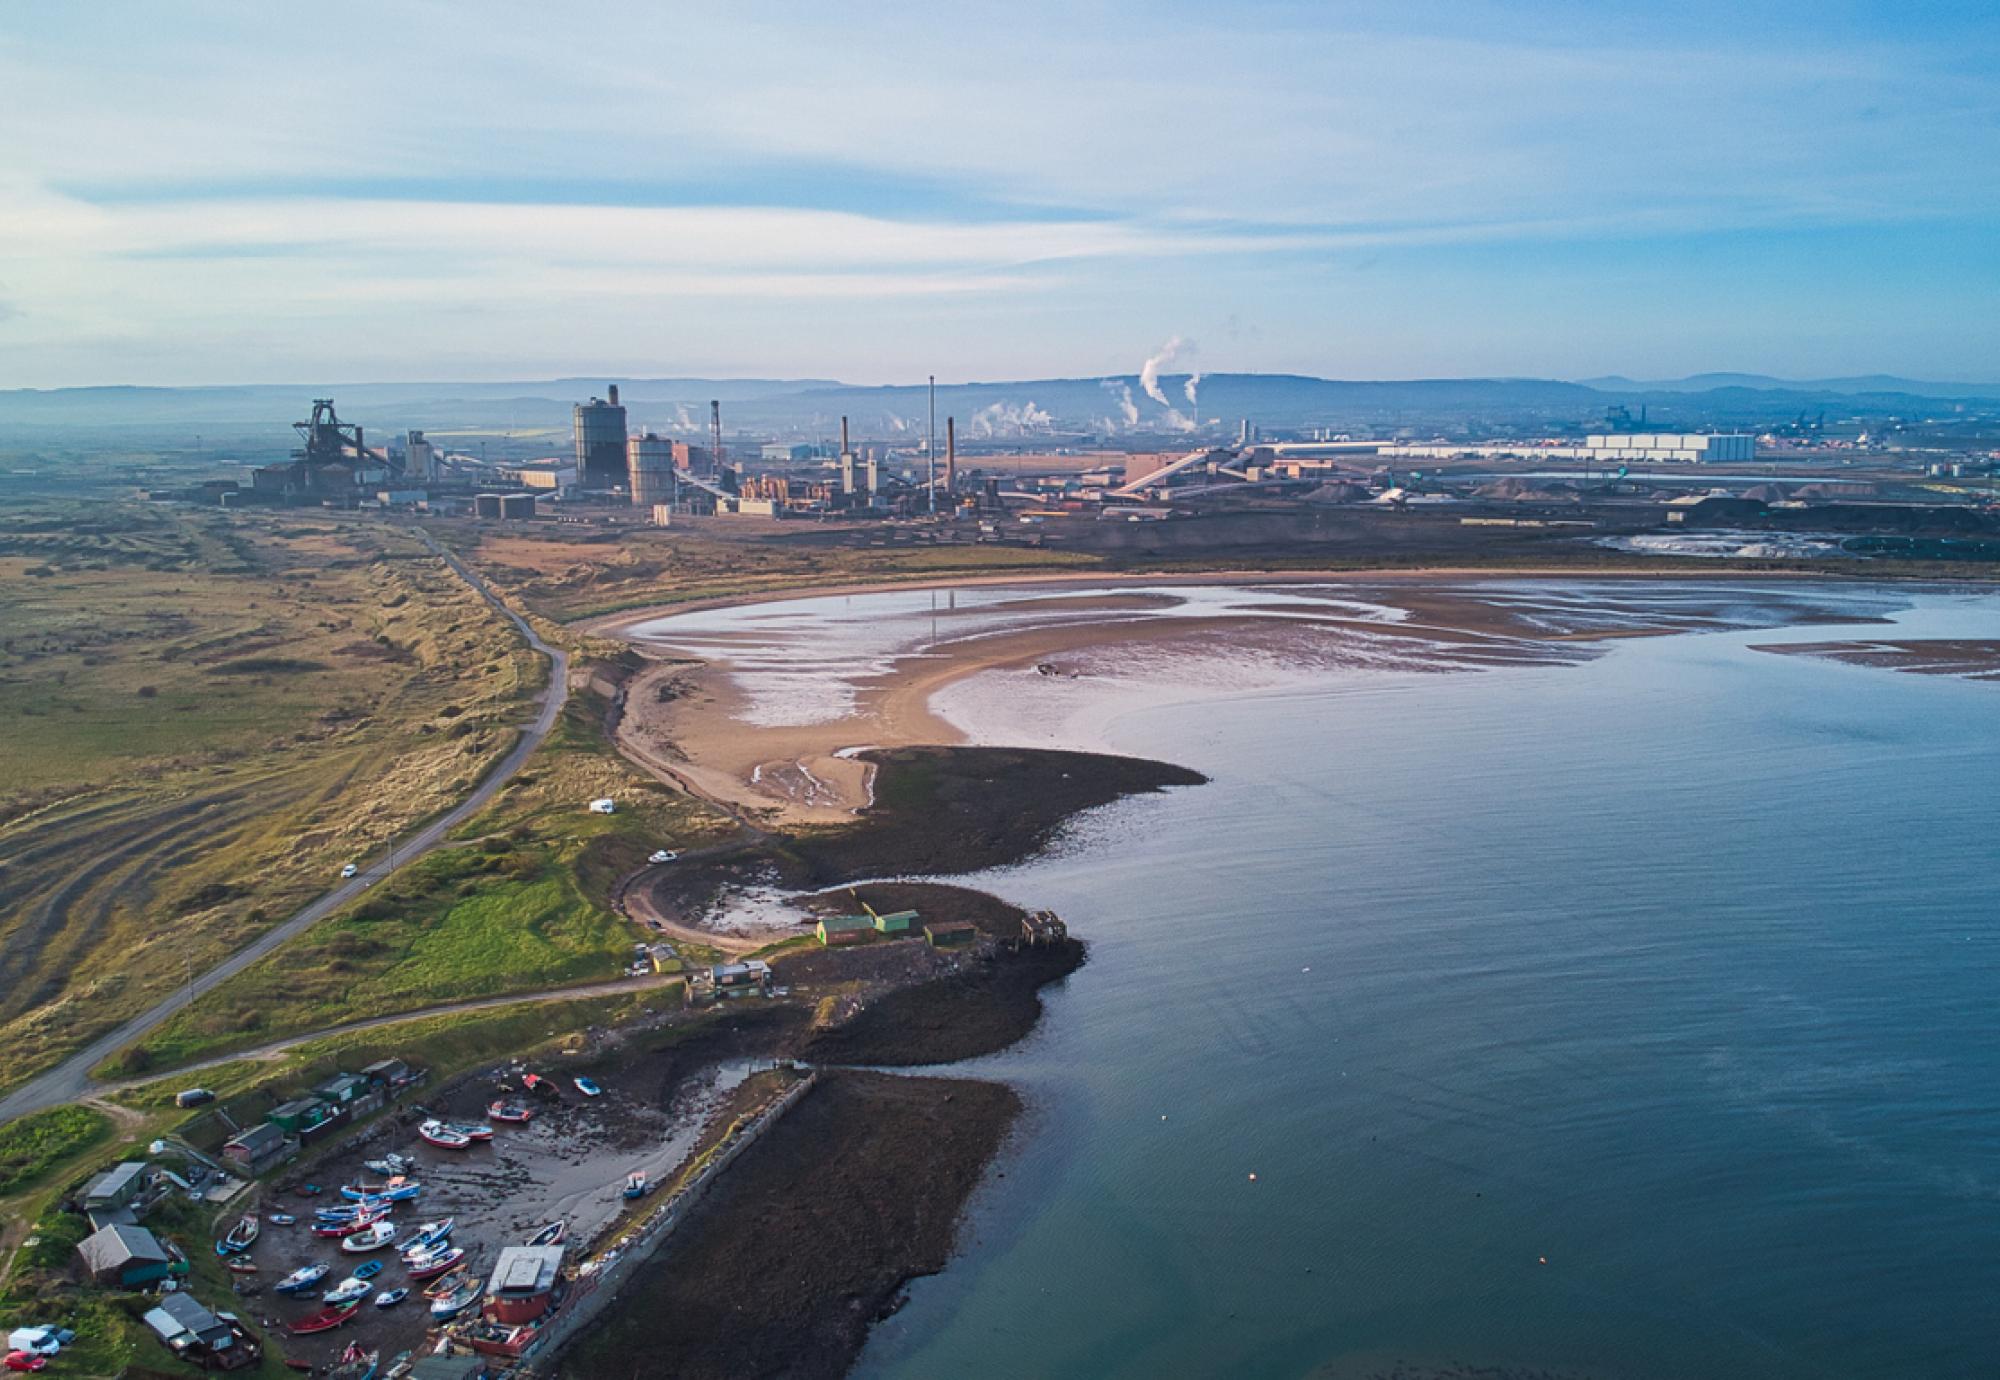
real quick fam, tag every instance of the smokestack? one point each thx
(612, 395)
(950, 457)
(844, 448)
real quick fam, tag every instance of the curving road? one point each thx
(71, 1079)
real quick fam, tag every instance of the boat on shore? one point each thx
(397, 1190)
(443, 1136)
(302, 1279)
(510, 1340)
(372, 1237)
(472, 1130)
(349, 1291)
(325, 1320)
(368, 1269)
(637, 1185)
(551, 1235)
(445, 1283)
(589, 1087)
(426, 1237)
(282, 1219)
(430, 1266)
(390, 1165)
(457, 1301)
(389, 1298)
(240, 1265)
(515, 1113)
(349, 1227)
(241, 1236)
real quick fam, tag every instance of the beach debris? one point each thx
(1253, 1178)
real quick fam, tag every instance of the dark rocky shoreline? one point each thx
(818, 1227)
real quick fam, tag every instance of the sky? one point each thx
(210, 192)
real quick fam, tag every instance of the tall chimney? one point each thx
(843, 436)
(950, 456)
(613, 398)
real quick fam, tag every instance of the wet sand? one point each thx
(698, 715)
(1968, 659)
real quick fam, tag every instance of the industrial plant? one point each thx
(1025, 480)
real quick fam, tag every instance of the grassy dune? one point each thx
(213, 713)
(522, 902)
(569, 573)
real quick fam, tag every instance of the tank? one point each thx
(650, 470)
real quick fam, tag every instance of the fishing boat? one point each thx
(282, 1219)
(390, 1165)
(240, 1264)
(516, 1113)
(389, 1298)
(443, 1136)
(446, 1283)
(241, 1236)
(472, 1130)
(372, 1237)
(302, 1279)
(502, 1339)
(430, 1266)
(349, 1290)
(540, 1086)
(457, 1301)
(636, 1185)
(551, 1235)
(426, 1236)
(368, 1269)
(347, 1228)
(326, 1319)
(354, 1212)
(589, 1087)
(397, 1190)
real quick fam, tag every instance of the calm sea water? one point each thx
(1678, 971)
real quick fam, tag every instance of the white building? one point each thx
(1694, 448)
(545, 476)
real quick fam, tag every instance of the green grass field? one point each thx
(32, 1146)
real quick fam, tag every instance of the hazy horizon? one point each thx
(222, 193)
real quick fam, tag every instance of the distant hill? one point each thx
(533, 416)
(1857, 385)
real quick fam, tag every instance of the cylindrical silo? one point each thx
(650, 470)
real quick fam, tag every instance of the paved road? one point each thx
(621, 987)
(71, 1079)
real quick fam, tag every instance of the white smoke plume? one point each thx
(682, 421)
(1149, 372)
(1122, 391)
(1149, 379)
(1006, 419)
(1194, 403)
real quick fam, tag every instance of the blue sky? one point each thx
(233, 192)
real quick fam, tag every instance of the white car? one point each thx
(664, 855)
(348, 871)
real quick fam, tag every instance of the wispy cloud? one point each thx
(986, 187)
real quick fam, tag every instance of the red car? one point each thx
(26, 1360)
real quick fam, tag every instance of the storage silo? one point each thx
(650, 470)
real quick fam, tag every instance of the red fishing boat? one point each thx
(326, 1319)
